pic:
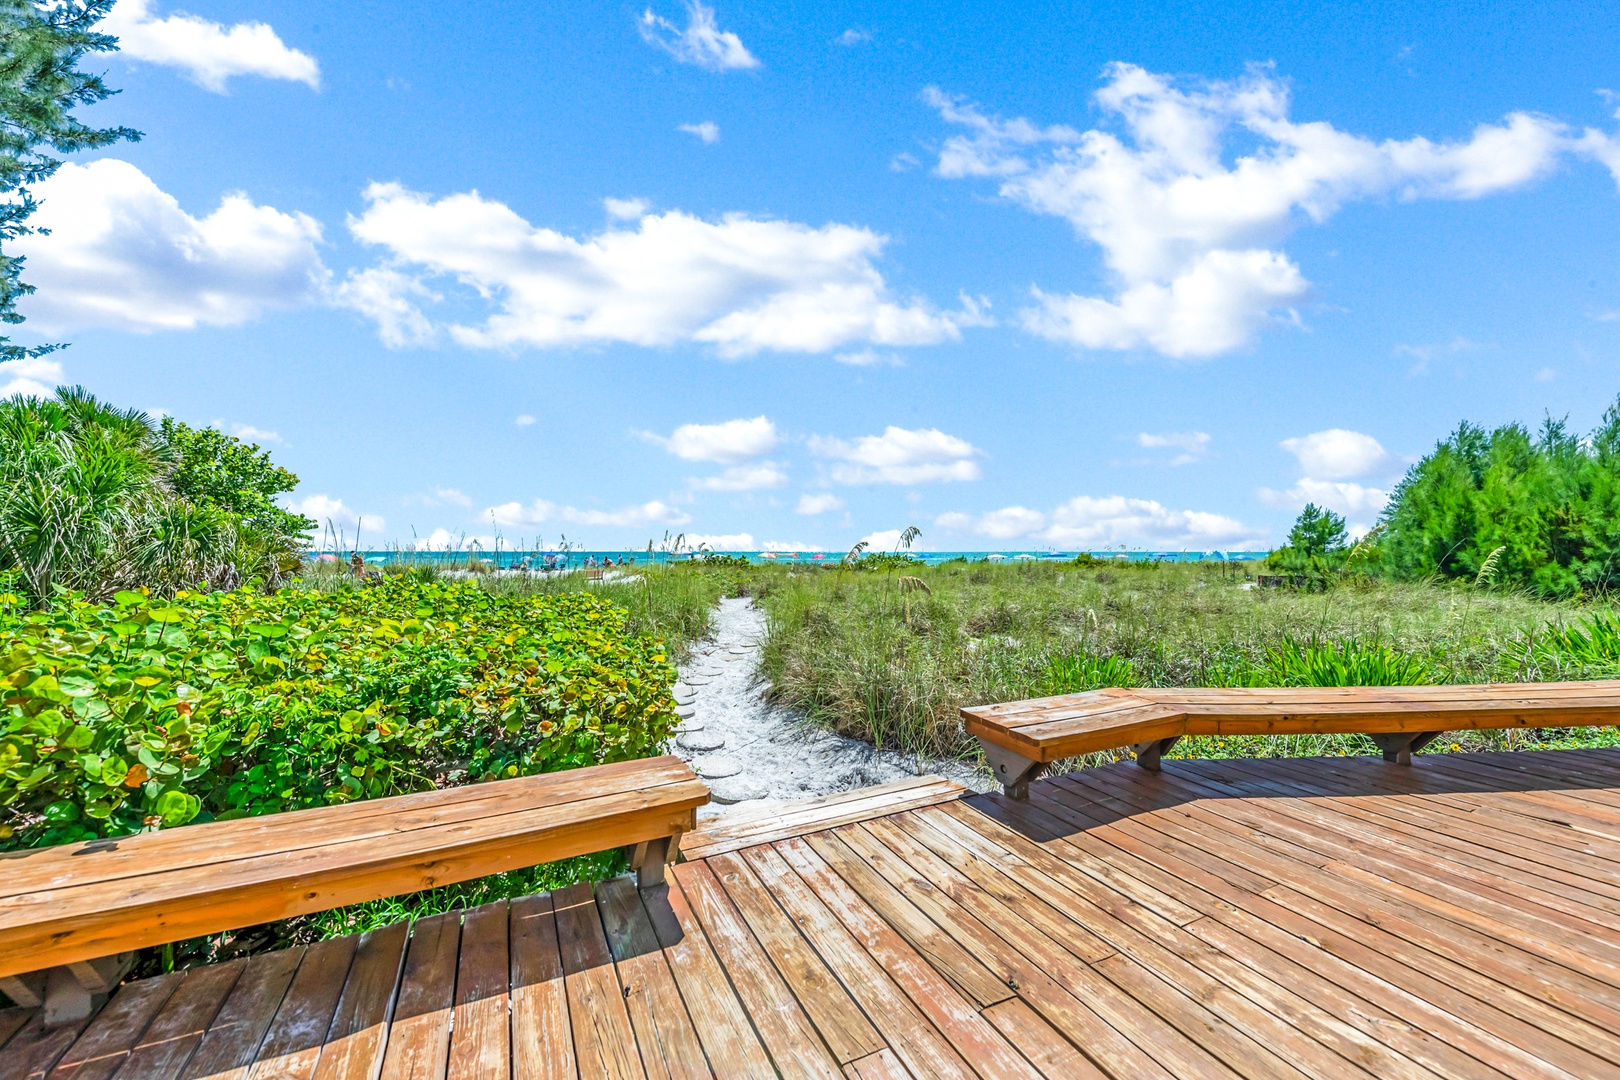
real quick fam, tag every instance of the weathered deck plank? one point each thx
(1314, 918)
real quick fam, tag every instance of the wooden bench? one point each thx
(1021, 738)
(71, 916)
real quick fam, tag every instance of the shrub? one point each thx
(140, 714)
(1073, 672)
(94, 499)
(1542, 510)
(1587, 649)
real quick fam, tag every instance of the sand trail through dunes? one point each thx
(751, 752)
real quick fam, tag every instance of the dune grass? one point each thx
(873, 658)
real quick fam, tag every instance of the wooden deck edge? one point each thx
(782, 821)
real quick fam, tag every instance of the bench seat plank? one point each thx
(173, 885)
(1049, 729)
(220, 842)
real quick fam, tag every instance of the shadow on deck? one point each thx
(1283, 917)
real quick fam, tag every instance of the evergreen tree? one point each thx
(41, 45)
(1317, 532)
(1549, 500)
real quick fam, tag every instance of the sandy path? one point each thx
(753, 753)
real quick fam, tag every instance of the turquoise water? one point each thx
(578, 558)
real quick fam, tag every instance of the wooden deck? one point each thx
(1310, 917)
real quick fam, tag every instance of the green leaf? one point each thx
(176, 808)
(125, 598)
(61, 812)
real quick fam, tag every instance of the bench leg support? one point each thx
(71, 992)
(1149, 753)
(649, 858)
(1398, 747)
(1013, 770)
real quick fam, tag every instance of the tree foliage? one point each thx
(1317, 531)
(1550, 501)
(94, 499)
(41, 46)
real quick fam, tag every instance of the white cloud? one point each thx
(1212, 307)
(442, 539)
(625, 209)
(1192, 444)
(1190, 237)
(869, 358)
(726, 443)
(541, 512)
(1331, 460)
(784, 545)
(1094, 523)
(755, 477)
(740, 284)
(334, 513)
(388, 297)
(853, 36)
(209, 53)
(721, 542)
(708, 131)
(899, 456)
(883, 540)
(702, 43)
(249, 433)
(1337, 454)
(1350, 499)
(819, 504)
(1116, 519)
(122, 253)
(31, 376)
(524, 420)
(449, 494)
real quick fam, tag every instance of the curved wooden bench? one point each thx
(1021, 738)
(69, 914)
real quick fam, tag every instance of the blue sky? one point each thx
(1031, 276)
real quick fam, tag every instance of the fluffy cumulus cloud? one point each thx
(899, 456)
(752, 477)
(540, 512)
(740, 284)
(701, 43)
(819, 503)
(31, 376)
(721, 541)
(1188, 188)
(123, 253)
(334, 516)
(442, 539)
(1192, 445)
(1085, 522)
(209, 53)
(726, 443)
(1338, 454)
(736, 443)
(1331, 462)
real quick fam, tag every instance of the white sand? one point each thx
(754, 754)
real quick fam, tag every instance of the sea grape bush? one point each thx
(142, 713)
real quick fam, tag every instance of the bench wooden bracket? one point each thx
(1149, 753)
(649, 858)
(70, 993)
(1013, 770)
(1398, 747)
